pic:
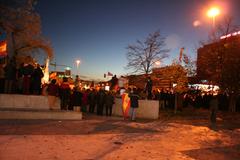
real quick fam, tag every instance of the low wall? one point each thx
(148, 109)
(26, 102)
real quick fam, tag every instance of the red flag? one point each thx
(110, 74)
(3, 48)
(181, 54)
(125, 105)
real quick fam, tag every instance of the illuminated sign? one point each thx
(230, 35)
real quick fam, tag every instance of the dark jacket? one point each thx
(109, 100)
(92, 98)
(10, 72)
(53, 89)
(77, 98)
(28, 70)
(64, 90)
(101, 97)
(134, 100)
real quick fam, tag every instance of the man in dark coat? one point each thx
(148, 88)
(109, 103)
(10, 76)
(92, 100)
(64, 93)
(27, 72)
(76, 99)
(134, 97)
(36, 80)
(53, 92)
(213, 109)
(100, 101)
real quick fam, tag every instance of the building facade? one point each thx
(219, 62)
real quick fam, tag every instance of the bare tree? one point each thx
(224, 27)
(142, 55)
(23, 27)
(189, 65)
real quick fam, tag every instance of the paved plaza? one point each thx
(185, 136)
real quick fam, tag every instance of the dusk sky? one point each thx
(98, 31)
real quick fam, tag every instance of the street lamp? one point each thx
(212, 13)
(77, 62)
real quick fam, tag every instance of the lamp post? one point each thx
(77, 62)
(212, 13)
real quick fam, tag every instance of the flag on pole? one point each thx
(3, 48)
(110, 74)
(181, 54)
(125, 105)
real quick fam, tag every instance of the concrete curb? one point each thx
(52, 115)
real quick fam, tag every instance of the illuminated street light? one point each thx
(77, 62)
(212, 13)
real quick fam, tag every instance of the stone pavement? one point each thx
(112, 138)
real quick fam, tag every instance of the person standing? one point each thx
(20, 78)
(134, 97)
(84, 100)
(52, 89)
(36, 80)
(10, 76)
(92, 100)
(109, 103)
(2, 78)
(76, 99)
(100, 101)
(148, 88)
(64, 93)
(213, 109)
(27, 74)
(114, 82)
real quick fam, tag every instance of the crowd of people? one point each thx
(25, 79)
(197, 99)
(78, 98)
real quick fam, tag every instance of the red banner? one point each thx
(3, 48)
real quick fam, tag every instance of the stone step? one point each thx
(27, 101)
(39, 114)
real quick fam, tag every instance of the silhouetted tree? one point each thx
(142, 55)
(22, 25)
